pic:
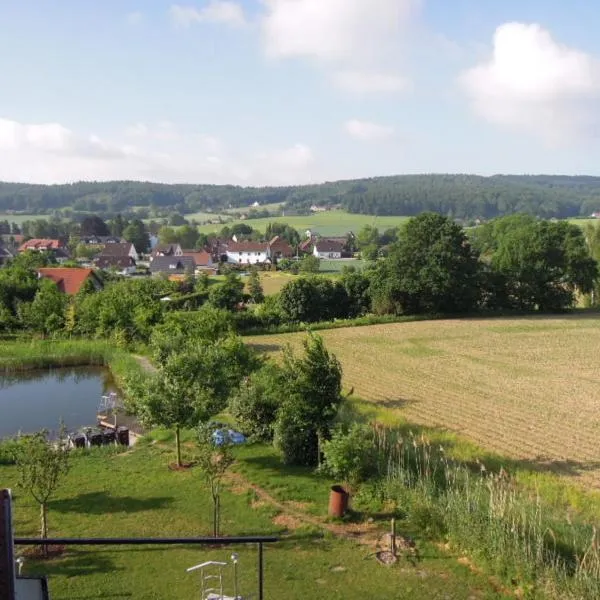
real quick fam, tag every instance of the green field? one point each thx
(18, 219)
(332, 223)
(525, 388)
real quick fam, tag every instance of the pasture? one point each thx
(331, 223)
(525, 388)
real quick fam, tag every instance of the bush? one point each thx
(295, 437)
(255, 405)
(351, 457)
(8, 451)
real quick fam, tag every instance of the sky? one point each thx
(277, 92)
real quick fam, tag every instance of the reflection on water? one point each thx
(33, 400)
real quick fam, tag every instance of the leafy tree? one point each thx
(313, 384)
(229, 294)
(191, 387)
(117, 226)
(214, 461)
(284, 231)
(432, 269)
(94, 225)
(167, 235)
(544, 264)
(299, 301)
(309, 264)
(47, 311)
(254, 406)
(41, 464)
(187, 236)
(255, 288)
(357, 286)
(367, 237)
(136, 233)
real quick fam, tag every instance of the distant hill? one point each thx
(459, 196)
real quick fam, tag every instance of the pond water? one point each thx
(34, 400)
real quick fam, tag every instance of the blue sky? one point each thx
(292, 91)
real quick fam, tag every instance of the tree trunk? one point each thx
(44, 527)
(215, 515)
(178, 444)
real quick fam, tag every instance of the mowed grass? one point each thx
(134, 494)
(526, 388)
(330, 223)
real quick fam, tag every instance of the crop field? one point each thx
(526, 388)
(332, 223)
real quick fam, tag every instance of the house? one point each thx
(12, 241)
(280, 249)
(328, 249)
(172, 265)
(121, 250)
(123, 265)
(166, 250)
(248, 253)
(306, 247)
(70, 281)
(41, 245)
(100, 240)
(202, 259)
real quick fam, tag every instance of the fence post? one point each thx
(7, 563)
(260, 571)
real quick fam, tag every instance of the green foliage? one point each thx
(229, 294)
(307, 300)
(254, 406)
(313, 385)
(255, 288)
(137, 234)
(41, 464)
(309, 264)
(350, 456)
(46, 313)
(432, 269)
(284, 231)
(94, 225)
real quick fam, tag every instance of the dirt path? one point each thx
(292, 516)
(145, 363)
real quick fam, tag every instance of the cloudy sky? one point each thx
(292, 91)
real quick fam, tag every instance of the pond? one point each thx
(34, 400)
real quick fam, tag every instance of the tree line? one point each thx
(458, 196)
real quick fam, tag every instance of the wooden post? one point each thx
(393, 538)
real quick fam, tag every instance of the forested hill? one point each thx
(459, 196)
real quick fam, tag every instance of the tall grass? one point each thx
(53, 354)
(525, 542)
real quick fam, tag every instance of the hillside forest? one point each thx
(457, 196)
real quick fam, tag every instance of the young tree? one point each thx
(192, 386)
(41, 463)
(47, 311)
(214, 461)
(309, 264)
(228, 294)
(255, 288)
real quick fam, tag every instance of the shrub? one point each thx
(295, 436)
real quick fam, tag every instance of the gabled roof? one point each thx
(201, 257)
(68, 280)
(247, 247)
(328, 246)
(117, 249)
(172, 264)
(116, 262)
(166, 249)
(41, 244)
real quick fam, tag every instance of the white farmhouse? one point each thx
(248, 253)
(328, 249)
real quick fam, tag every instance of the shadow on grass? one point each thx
(100, 503)
(266, 348)
(75, 563)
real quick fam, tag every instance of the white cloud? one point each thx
(332, 30)
(533, 83)
(216, 11)
(135, 18)
(364, 82)
(367, 131)
(52, 153)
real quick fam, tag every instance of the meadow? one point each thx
(524, 388)
(330, 223)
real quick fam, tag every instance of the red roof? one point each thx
(68, 280)
(201, 257)
(41, 244)
(247, 247)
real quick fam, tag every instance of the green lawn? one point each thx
(332, 223)
(134, 494)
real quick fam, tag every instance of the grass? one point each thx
(19, 219)
(109, 494)
(523, 388)
(331, 223)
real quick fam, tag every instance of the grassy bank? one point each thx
(134, 494)
(53, 354)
